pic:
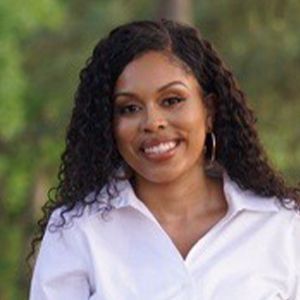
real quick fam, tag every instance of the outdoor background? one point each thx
(45, 43)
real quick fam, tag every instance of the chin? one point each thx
(160, 177)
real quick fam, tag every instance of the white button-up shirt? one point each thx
(253, 253)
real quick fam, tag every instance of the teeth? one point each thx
(161, 148)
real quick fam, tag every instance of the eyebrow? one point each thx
(162, 88)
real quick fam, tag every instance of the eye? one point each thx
(128, 109)
(172, 101)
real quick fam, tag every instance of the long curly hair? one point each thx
(91, 157)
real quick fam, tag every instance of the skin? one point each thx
(157, 98)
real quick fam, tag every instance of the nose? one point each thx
(154, 120)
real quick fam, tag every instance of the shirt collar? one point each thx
(237, 198)
(127, 196)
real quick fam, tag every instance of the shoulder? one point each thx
(95, 205)
(242, 199)
(280, 218)
(64, 219)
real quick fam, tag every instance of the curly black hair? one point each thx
(91, 157)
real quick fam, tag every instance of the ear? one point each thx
(210, 102)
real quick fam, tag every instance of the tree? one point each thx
(180, 10)
(44, 45)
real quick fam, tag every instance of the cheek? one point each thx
(193, 124)
(192, 120)
(125, 131)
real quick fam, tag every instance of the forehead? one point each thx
(153, 70)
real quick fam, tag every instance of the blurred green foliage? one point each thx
(45, 43)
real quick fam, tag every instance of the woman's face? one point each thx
(160, 119)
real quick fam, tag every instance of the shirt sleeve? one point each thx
(60, 271)
(296, 250)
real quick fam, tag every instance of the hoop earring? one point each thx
(212, 148)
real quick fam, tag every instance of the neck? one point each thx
(182, 199)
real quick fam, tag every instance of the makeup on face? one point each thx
(160, 119)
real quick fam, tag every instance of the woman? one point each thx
(164, 189)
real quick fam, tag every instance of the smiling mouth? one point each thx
(162, 148)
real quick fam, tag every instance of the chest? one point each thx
(185, 235)
(233, 260)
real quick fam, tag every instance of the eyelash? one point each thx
(170, 99)
(128, 109)
(132, 108)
